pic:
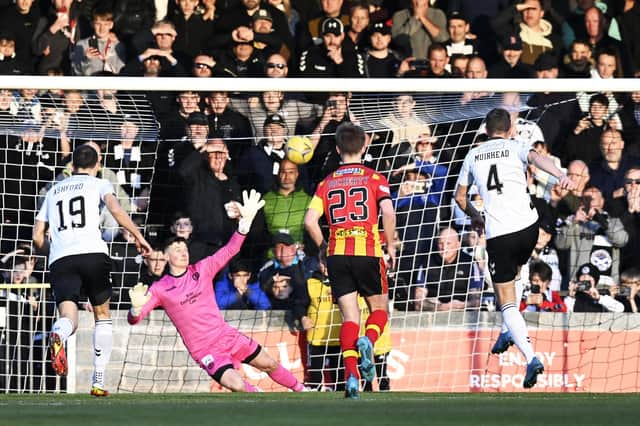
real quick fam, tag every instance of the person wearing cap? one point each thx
(381, 61)
(460, 40)
(418, 27)
(238, 289)
(592, 235)
(510, 65)
(584, 295)
(312, 32)
(236, 24)
(526, 18)
(193, 33)
(265, 157)
(331, 59)
(242, 60)
(546, 65)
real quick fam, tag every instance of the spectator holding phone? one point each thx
(629, 294)
(585, 297)
(540, 297)
(100, 52)
(584, 143)
(591, 235)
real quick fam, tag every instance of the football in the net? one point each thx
(299, 149)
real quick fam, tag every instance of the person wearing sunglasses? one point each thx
(276, 66)
(627, 208)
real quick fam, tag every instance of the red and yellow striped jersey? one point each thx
(349, 198)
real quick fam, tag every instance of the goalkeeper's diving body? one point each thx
(186, 294)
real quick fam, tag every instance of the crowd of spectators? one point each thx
(213, 145)
(321, 38)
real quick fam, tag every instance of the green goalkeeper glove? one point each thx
(139, 295)
(248, 210)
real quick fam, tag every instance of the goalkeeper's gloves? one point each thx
(138, 295)
(248, 210)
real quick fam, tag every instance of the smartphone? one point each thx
(93, 42)
(332, 103)
(419, 64)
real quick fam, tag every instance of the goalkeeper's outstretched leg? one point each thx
(231, 379)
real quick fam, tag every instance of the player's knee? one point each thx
(269, 365)
(232, 381)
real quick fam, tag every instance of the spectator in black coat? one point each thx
(20, 22)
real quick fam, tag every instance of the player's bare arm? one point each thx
(547, 165)
(39, 233)
(125, 221)
(312, 226)
(389, 225)
(477, 222)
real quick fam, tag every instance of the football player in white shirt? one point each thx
(78, 257)
(498, 168)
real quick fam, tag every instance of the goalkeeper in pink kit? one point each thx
(186, 293)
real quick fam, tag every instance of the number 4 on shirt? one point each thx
(493, 182)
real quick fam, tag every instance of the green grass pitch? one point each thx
(327, 409)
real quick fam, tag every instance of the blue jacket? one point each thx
(228, 297)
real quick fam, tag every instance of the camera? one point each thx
(418, 187)
(332, 103)
(604, 291)
(535, 289)
(419, 64)
(583, 286)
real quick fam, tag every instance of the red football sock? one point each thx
(375, 325)
(348, 337)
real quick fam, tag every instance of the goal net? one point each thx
(153, 136)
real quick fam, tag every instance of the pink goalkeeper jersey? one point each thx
(190, 302)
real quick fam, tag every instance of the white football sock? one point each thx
(102, 345)
(63, 327)
(519, 291)
(512, 317)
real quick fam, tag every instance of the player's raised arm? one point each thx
(545, 163)
(251, 204)
(124, 220)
